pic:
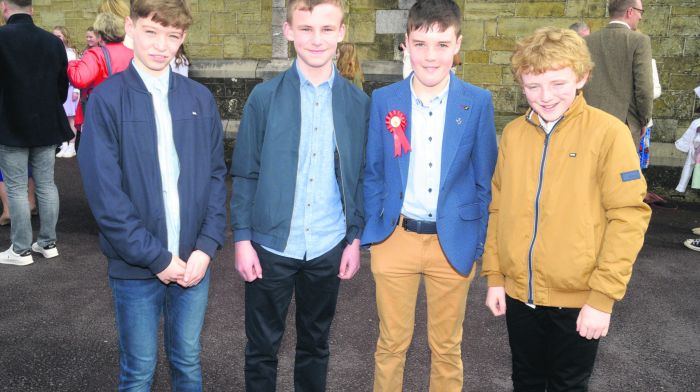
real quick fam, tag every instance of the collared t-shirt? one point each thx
(167, 154)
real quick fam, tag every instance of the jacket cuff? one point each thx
(496, 280)
(161, 262)
(242, 235)
(207, 245)
(600, 301)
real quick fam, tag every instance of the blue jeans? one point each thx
(13, 163)
(138, 305)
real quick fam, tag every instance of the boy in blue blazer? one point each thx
(431, 152)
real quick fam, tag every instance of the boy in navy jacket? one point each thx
(152, 163)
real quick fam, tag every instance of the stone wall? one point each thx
(228, 32)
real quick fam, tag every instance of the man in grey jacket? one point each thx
(621, 81)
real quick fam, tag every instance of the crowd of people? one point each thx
(320, 170)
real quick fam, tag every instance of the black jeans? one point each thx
(548, 353)
(315, 285)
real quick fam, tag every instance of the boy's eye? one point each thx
(443, 45)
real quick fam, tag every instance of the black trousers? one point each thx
(315, 285)
(548, 353)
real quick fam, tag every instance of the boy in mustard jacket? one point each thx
(566, 219)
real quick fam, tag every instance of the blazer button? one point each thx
(401, 195)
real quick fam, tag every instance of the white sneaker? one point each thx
(70, 151)
(48, 251)
(10, 257)
(61, 153)
(693, 244)
(696, 231)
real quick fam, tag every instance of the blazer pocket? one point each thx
(470, 212)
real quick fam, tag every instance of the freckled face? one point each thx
(551, 93)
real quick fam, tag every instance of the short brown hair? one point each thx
(551, 48)
(617, 8)
(308, 5)
(172, 13)
(426, 13)
(20, 3)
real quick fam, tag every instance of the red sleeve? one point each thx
(89, 70)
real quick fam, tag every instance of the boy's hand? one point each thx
(496, 300)
(592, 323)
(247, 262)
(174, 272)
(350, 260)
(197, 265)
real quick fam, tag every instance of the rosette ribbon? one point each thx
(396, 124)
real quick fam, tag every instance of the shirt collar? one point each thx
(303, 80)
(440, 97)
(159, 83)
(620, 22)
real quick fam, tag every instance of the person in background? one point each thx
(68, 148)
(100, 62)
(581, 28)
(349, 64)
(180, 64)
(120, 9)
(92, 39)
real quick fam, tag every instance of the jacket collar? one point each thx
(20, 18)
(133, 80)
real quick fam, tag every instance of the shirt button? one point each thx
(430, 113)
(430, 190)
(315, 129)
(430, 215)
(430, 139)
(311, 180)
(316, 103)
(430, 164)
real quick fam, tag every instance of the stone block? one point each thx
(222, 23)
(476, 57)
(667, 46)
(203, 51)
(575, 8)
(686, 10)
(596, 9)
(50, 19)
(244, 5)
(491, 27)
(692, 47)
(674, 104)
(500, 43)
(505, 98)
(214, 5)
(520, 27)
(540, 9)
(500, 57)
(489, 9)
(200, 30)
(235, 46)
(473, 35)
(655, 22)
(503, 119)
(373, 5)
(685, 25)
(391, 21)
(361, 28)
(482, 73)
(259, 51)
(664, 130)
(682, 82)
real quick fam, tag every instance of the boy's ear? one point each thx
(288, 32)
(341, 32)
(582, 82)
(459, 44)
(128, 26)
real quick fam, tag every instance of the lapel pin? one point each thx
(459, 120)
(466, 107)
(194, 113)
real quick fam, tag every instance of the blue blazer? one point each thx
(468, 159)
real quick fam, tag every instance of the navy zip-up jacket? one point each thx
(266, 157)
(119, 164)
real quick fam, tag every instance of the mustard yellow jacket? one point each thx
(567, 218)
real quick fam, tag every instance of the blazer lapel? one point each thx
(456, 117)
(402, 103)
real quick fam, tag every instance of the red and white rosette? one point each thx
(396, 124)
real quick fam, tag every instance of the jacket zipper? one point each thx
(530, 272)
(342, 187)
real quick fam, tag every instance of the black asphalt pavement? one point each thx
(57, 328)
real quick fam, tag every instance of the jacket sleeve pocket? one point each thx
(470, 212)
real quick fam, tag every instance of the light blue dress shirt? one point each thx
(423, 182)
(167, 154)
(318, 220)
